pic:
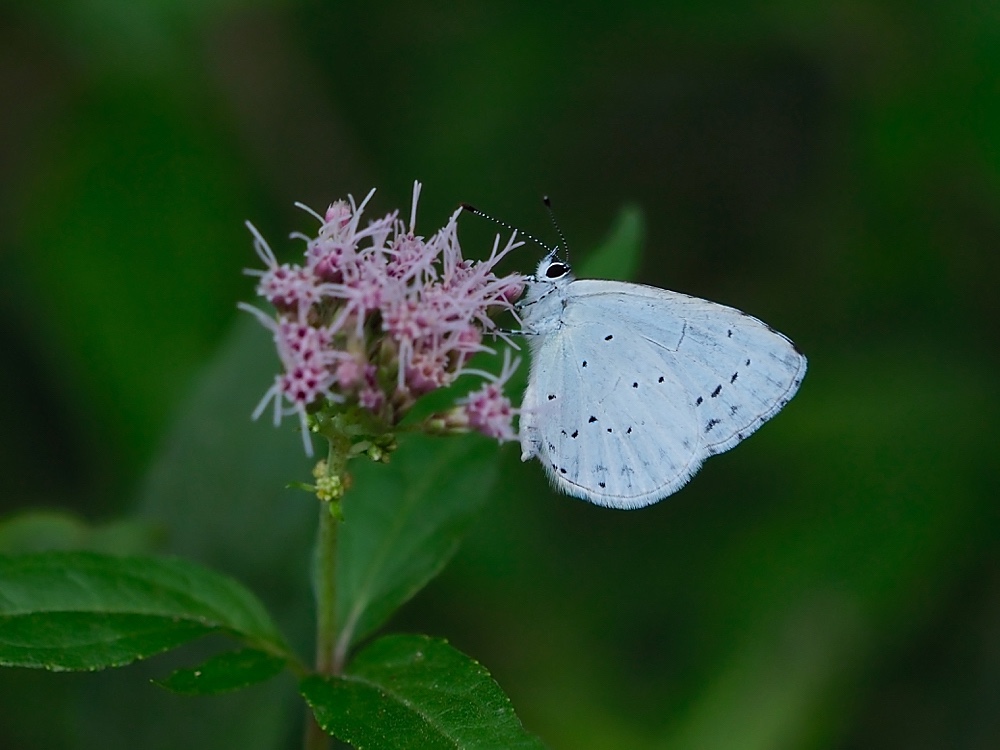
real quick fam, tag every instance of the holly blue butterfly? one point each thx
(631, 387)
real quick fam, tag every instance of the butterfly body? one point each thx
(631, 387)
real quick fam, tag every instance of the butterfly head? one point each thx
(551, 276)
(552, 270)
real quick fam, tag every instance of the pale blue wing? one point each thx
(688, 377)
(613, 429)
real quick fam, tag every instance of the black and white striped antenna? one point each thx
(482, 214)
(559, 232)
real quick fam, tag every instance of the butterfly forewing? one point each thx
(607, 418)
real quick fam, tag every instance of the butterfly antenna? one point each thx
(482, 214)
(559, 231)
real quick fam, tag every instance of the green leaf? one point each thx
(404, 521)
(408, 691)
(217, 488)
(618, 256)
(37, 531)
(231, 670)
(83, 611)
(76, 641)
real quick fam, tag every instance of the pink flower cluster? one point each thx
(487, 410)
(378, 316)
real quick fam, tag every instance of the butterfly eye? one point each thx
(556, 270)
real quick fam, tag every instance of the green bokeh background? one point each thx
(833, 168)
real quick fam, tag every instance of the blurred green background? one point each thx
(833, 168)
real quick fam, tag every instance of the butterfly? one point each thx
(632, 387)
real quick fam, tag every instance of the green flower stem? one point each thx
(325, 589)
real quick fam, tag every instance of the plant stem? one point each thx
(325, 587)
(326, 591)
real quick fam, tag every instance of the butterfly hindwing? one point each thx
(596, 413)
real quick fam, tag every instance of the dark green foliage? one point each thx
(831, 169)
(413, 692)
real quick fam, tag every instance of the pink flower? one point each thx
(488, 410)
(378, 315)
